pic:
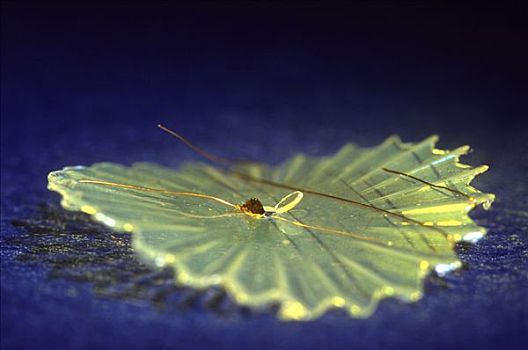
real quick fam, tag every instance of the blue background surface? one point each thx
(83, 84)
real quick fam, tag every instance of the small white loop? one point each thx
(299, 196)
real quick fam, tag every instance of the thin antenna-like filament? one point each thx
(429, 183)
(212, 157)
(156, 190)
(326, 229)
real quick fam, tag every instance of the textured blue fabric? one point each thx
(88, 84)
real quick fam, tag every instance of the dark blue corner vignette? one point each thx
(88, 83)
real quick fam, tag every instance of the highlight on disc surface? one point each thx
(310, 234)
